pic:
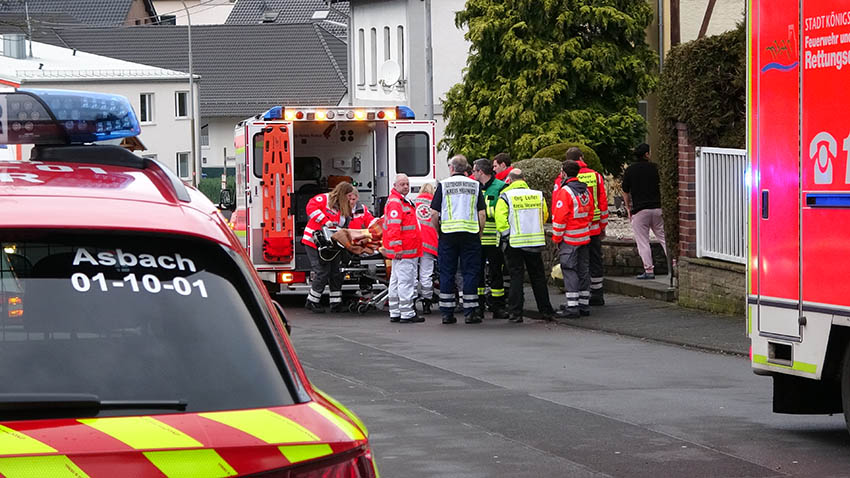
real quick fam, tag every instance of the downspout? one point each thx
(429, 63)
(660, 35)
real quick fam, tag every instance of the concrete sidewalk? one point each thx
(656, 320)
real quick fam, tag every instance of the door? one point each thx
(825, 156)
(776, 179)
(412, 151)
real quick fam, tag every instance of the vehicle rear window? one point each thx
(133, 318)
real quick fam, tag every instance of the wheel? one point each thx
(362, 309)
(352, 307)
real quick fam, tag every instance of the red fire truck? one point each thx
(799, 210)
(287, 155)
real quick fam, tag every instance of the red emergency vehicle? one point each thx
(799, 209)
(288, 155)
(140, 341)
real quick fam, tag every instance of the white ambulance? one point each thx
(287, 155)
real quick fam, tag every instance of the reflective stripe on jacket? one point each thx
(320, 215)
(459, 208)
(520, 215)
(426, 227)
(401, 228)
(572, 213)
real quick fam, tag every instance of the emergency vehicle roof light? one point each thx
(274, 113)
(41, 116)
(404, 112)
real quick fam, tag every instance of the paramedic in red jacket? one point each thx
(403, 244)
(429, 246)
(336, 209)
(596, 185)
(502, 166)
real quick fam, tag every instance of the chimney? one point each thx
(14, 46)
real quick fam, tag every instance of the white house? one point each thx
(199, 12)
(159, 96)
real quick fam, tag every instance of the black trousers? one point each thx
(492, 265)
(517, 261)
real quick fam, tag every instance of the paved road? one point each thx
(546, 400)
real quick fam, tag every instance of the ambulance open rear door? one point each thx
(412, 151)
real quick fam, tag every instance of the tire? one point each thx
(845, 386)
(362, 308)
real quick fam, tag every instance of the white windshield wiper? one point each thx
(12, 402)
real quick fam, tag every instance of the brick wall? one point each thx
(716, 286)
(687, 194)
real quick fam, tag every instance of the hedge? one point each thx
(211, 187)
(557, 151)
(703, 85)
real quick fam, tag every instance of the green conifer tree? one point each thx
(542, 72)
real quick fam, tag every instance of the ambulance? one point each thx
(288, 155)
(798, 314)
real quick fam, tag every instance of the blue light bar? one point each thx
(274, 113)
(840, 200)
(404, 112)
(40, 116)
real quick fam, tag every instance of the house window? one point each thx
(361, 57)
(412, 156)
(181, 104)
(168, 20)
(386, 43)
(401, 50)
(183, 165)
(205, 136)
(146, 107)
(373, 80)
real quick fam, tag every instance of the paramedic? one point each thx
(596, 185)
(402, 244)
(337, 209)
(429, 246)
(492, 259)
(458, 213)
(521, 213)
(572, 214)
(502, 166)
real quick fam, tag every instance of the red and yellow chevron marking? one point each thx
(213, 444)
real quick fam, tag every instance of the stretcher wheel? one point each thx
(352, 307)
(362, 309)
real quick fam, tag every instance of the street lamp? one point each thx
(196, 167)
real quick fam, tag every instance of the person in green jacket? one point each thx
(492, 259)
(520, 215)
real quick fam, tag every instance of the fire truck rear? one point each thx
(799, 202)
(288, 155)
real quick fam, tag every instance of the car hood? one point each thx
(210, 444)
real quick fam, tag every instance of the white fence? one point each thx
(721, 204)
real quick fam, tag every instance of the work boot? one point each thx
(337, 308)
(314, 307)
(426, 306)
(449, 319)
(500, 314)
(597, 300)
(395, 319)
(584, 312)
(515, 319)
(413, 320)
(568, 313)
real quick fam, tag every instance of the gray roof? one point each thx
(89, 12)
(290, 11)
(244, 69)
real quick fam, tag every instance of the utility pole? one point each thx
(29, 25)
(196, 166)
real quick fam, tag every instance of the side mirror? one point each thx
(225, 200)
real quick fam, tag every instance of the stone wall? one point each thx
(712, 285)
(619, 256)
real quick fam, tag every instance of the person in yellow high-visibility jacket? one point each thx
(520, 215)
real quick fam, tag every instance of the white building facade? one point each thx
(160, 97)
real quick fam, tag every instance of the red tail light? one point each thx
(351, 464)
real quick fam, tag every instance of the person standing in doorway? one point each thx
(458, 213)
(642, 198)
(403, 244)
